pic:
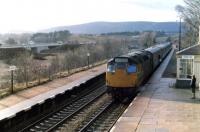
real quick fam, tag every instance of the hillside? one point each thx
(105, 27)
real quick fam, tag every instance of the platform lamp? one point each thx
(88, 59)
(12, 69)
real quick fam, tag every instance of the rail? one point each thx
(47, 122)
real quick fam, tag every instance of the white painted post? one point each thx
(178, 67)
(88, 59)
(199, 35)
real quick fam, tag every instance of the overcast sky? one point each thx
(33, 15)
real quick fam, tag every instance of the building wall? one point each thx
(196, 68)
(197, 72)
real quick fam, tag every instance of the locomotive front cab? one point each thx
(121, 72)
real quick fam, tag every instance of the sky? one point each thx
(34, 15)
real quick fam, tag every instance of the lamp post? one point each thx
(88, 59)
(12, 69)
(179, 46)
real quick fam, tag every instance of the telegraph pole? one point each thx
(179, 47)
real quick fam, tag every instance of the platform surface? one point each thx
(23, 100)
(161, 108)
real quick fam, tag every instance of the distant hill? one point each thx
(107, 27)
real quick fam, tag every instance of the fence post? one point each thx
(39, 75)
(11, 69)
(68, 70)
(26, 76)
(12, 81)
(49, 71)
(88, 60)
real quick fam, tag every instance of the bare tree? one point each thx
(191, 15)
(147, 39)
(22, 62)
(10, 41)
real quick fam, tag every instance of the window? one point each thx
(131, 69)
(121, 63)
(186, 68)
(121, 60)
(111, 68)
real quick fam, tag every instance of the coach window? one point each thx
(186, 67)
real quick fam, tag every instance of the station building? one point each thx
(188, 64)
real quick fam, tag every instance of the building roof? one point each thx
(193, 50)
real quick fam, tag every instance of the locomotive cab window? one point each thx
(110, 68)
(131, 69)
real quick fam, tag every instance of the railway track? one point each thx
(79, 120)
(93, 111)
(53, 120)
(106, 118)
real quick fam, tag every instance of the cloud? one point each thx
(41, 14)
(154, 4)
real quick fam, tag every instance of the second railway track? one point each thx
(79, 120)
(51, 121)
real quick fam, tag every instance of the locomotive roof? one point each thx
(133, 53)
(153, 49)
(157, 47)
(137, 56)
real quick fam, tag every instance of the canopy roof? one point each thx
(193, 50)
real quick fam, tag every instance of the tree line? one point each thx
(51, 37)
(31, 70)
(122, 33)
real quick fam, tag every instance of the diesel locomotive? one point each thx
(126, 73)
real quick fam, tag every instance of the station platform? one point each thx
(161, 108)
(23, 100)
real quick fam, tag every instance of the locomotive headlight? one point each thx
(131, 69)
(111, 68)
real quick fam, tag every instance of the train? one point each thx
(126, 73)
